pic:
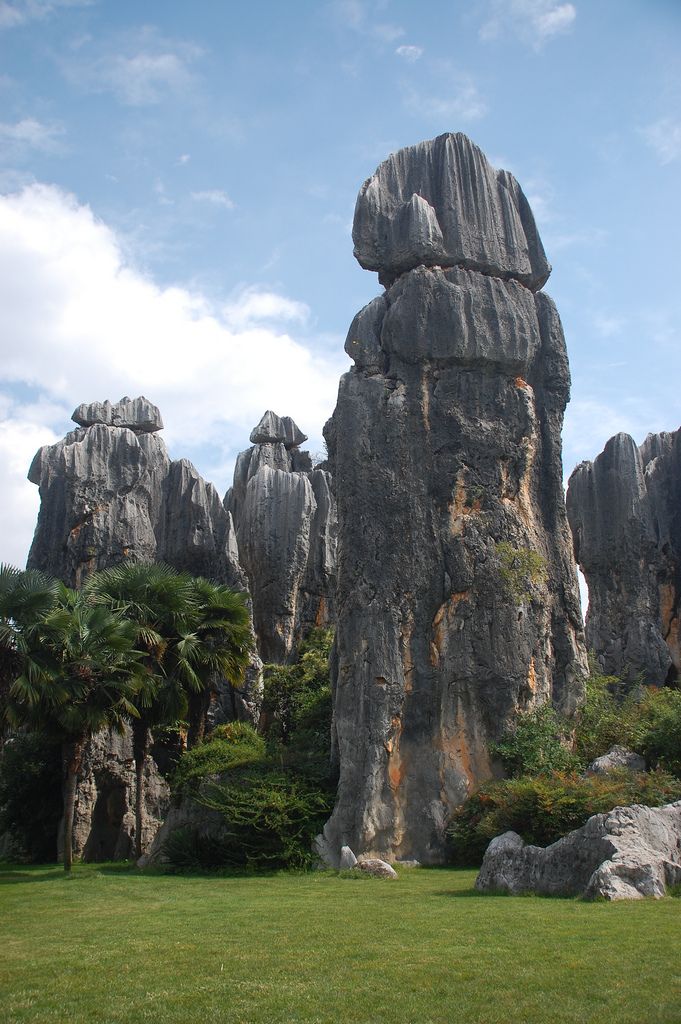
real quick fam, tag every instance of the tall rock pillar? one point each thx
(457, 598)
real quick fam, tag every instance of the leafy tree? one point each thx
(85, 682)
(191, 632)
(31, 794)
(521, 569)
(659, 738)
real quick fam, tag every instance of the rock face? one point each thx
(104, 823)
(615, 758)
(627, 854)
(110, 492)
(457, 600)
(625, 513)
(285, 517)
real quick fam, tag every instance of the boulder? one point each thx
(347, 859)
(629, 853)
(617, 757)
(376, 867)
(445, 454)
(625, 514)
(272, 429)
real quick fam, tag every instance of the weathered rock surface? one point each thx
(104, 823)
(617, 757)
(440, 203)
(446, 441)
(627, 854)
(285, 517)
(185, 813)
(625, 513)
(347, 859)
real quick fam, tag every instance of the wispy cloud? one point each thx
(30, 134)
(664, 138)
(142, 73)
(363, 17)
(452, 97)
(409, 53)
(19, 12)
(214, 196)
(535, 22)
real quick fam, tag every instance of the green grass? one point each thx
(114, 946)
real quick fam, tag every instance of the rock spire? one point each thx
(285, 517)
(625, 514)
(457, 600)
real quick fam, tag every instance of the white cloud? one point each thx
(533, 21)
(458, 100)
(608, 326)
(409, 53)
(359, 16)
(214, 196)
(19, 12)
(30, 134)
(79, 324)
(664, 138)
(184, 158)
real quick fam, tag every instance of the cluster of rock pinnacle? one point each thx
(436, 537)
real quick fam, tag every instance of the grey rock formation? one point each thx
(273, 429)
(445, 443)
(617, 757)
(440, 203)
(285, 517)
(186, 813)
(104, 823)
(625, 513)
(629, 853)
(109, 492)
(137, 414)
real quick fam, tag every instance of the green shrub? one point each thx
(297, 702)
(536, 743)
(270, 817)
(608, 716)
(218, 755)
(659, 733)
(544, 808)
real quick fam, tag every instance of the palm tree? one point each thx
(218, 645)
(87, 678)
(25, 598)
(192, 632)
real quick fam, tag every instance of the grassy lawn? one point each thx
(114, 946)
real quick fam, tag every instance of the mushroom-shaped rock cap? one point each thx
(440, 203)
(273, 428)
(137, 414)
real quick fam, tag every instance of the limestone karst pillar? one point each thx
(457, 597)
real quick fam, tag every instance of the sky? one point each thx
(177, 184)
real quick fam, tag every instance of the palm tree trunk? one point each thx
(140, 746)
(197, 711)
(73, 757)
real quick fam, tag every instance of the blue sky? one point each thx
(177, 184)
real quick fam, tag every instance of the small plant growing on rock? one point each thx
(520, 569)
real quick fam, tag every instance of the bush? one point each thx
(270, 817)
(543, 809)
(608, 716)
(31, 796)
(659, 733)
(217, 755)
(297, 702)
(537, 743)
